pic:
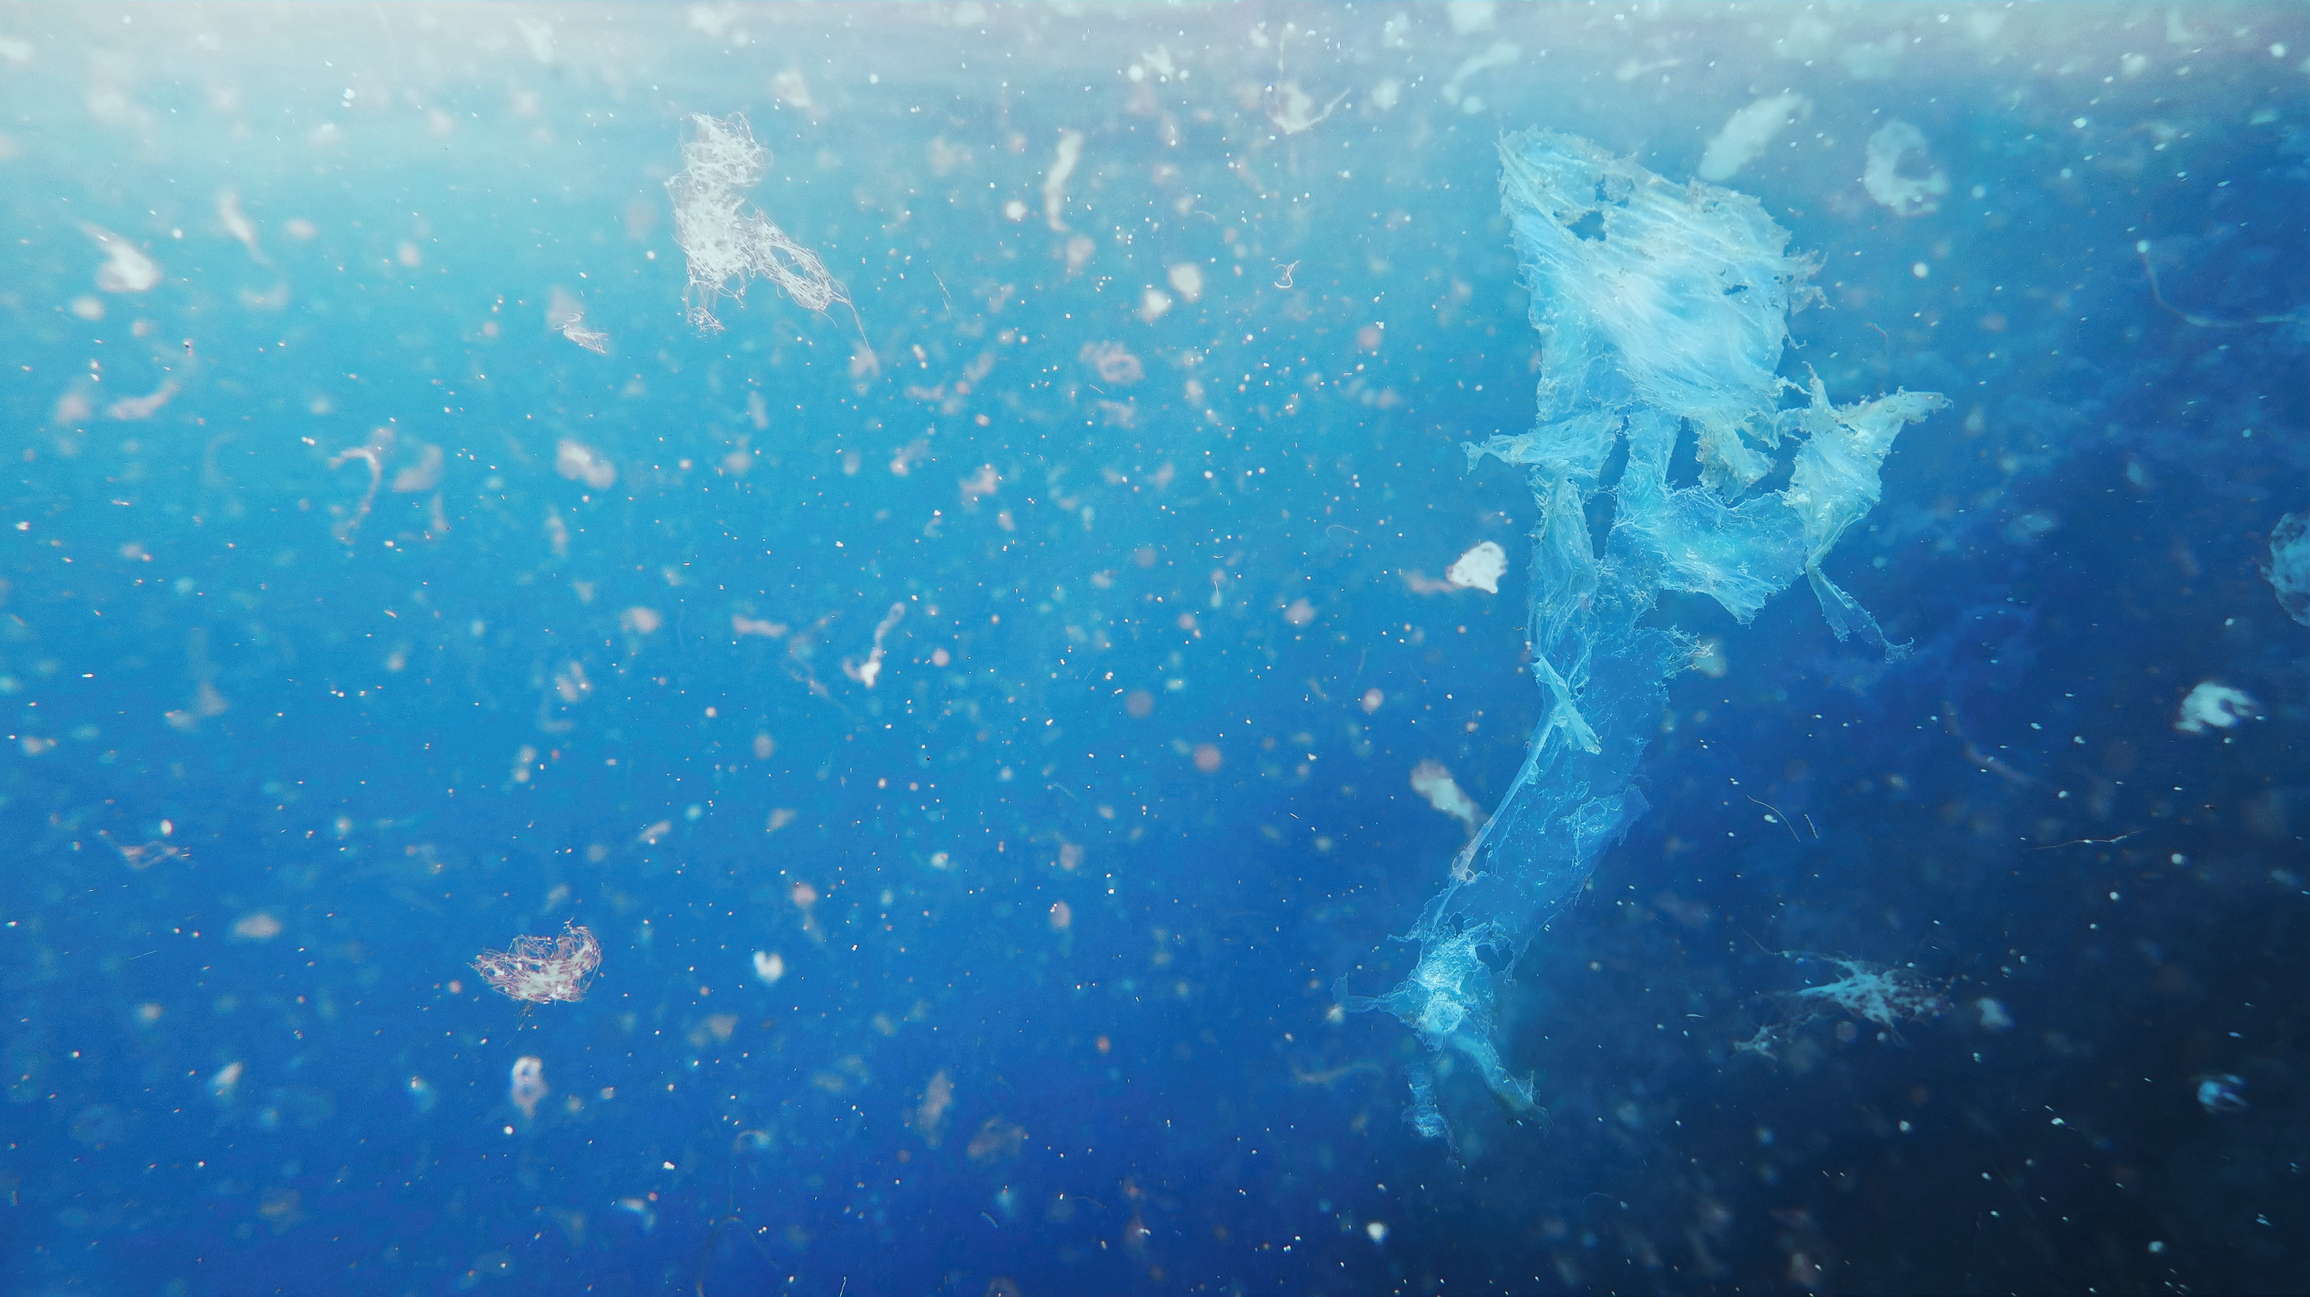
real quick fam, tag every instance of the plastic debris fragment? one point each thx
(2289, 567)
(1900, 173)
(126, 269)
(2213, 706)
(726, 241)
(1431, 780)
(1747, 132)
(543, 969)
(1664, 307)
(1878, 993)
(1480, 568)
(528, 1084)
(566, 315)
(2222, 1092)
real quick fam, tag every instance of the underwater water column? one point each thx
(1663, 310)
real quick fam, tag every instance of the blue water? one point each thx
(356, 621)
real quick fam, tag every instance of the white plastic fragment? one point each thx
(1480, 568)
(2213, 706)
(1431, 780)
(869, 669)
(126, 269)
(1063, 160)
(1745, 134)
(1900, 173)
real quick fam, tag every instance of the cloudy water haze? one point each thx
(1236, 648)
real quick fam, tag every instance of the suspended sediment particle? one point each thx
(728, 241)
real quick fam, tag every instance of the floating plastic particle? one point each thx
(728, 241)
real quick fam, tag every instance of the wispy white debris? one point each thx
(1293, 109)
(238, 224)
(1746, 133)
(566, 315)
(1501, 54)
(1070, 152)
(1431, 780)
(1900, 173)
(2213, 706)
(126, 269)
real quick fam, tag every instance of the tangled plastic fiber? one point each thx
(726, 240)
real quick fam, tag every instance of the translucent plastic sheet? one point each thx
(2289, 565)
(1665, 309)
